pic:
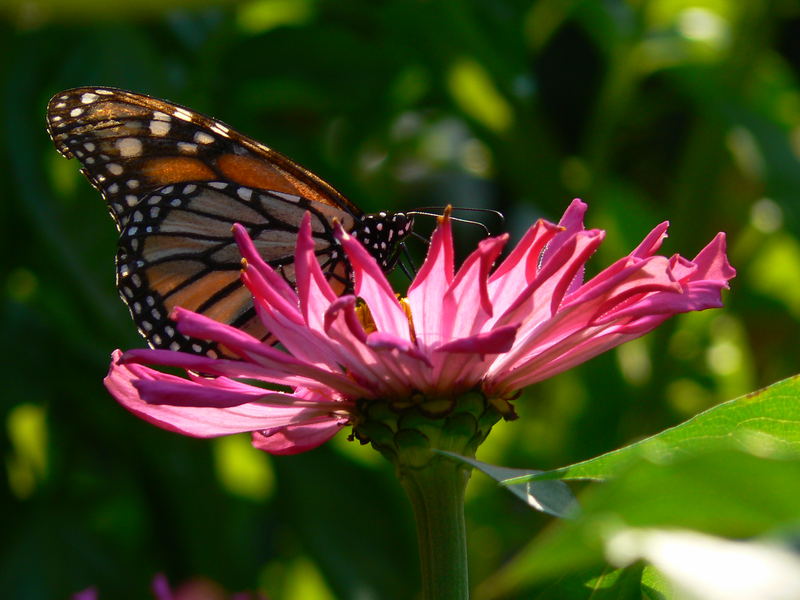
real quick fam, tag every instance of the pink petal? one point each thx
(496, 341)
(254, 261)
(198, 421)
(520, 267)
(466, 302)
(294, 439)
(372, 286)
(380, 340)
(429, 286)
(572, 224)
(541, 299)
(712, 261)
(652, 241)
(299, 339)
(313, 289)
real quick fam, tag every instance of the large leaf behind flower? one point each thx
(764, 423)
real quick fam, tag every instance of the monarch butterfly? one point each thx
(175, 181)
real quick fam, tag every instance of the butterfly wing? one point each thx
(175, 181)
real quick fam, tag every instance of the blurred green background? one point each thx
(649, 110)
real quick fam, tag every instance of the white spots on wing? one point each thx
(183, 114)
(88, 98)
(132, 184)
(90, 147)
(189, 189)
(175, 202)
(114, 168)
(220, 129)
(161, 116)
(131, 200)
(244, 193)
(201, 137)
(76, 112)
(187, 147)
(104, 92)
(138, 216)
(133, 231)
(89, 160)
(135, 279)
(55, 118)
(61, 105)
(154, 212)
(159, 128)
(287, 197)
(113, 188)
(218, 185)
(174, 346)
(129, 147)
(197, 348)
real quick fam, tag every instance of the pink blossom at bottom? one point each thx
(490, 327)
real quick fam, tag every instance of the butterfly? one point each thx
(175, 182)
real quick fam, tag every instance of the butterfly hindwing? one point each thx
(177, 250)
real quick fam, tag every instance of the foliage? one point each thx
(685, 110)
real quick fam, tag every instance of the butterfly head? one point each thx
(383, 234)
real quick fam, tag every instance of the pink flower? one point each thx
(477, 328)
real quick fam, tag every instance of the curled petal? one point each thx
(496, 341)
(380, 340)
(293, 439)
(203, 421)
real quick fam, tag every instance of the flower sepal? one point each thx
(409, 433)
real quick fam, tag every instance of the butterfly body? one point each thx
(175, 182)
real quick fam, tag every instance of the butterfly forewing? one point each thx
(175, 182)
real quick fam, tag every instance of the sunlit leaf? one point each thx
(765, 423)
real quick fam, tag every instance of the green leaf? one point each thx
(763, 423)
(551, 497)
(725, 493)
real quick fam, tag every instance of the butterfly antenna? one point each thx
(499, 215)
(455, 219)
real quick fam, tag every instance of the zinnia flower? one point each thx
(475, 332)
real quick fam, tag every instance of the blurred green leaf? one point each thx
(728, 493)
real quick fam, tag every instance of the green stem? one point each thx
(436, 492)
